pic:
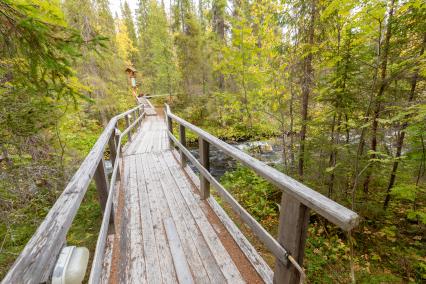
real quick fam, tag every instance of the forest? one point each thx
(340, 84)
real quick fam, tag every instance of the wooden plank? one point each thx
(329, 209)
(136, 267)
(190, 248)
(181, 265)
(106, 265)
(222, 257)
(125, 235)
(159, 210)
(188, 230)
(101, 241)
(203, 146)
(292, 231)
(259, 264)
(146, 203)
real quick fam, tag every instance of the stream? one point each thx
(267, 151)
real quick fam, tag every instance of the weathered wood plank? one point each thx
(293, 227)
(203, 146)
(112, 148)
(182, 140)
(166, 185)
(125, 235)
(159, 210)
(106, 265)
(102, 184)
(331, 210)
(152, 260)
(188, 230)
(222, 257)
(101, 241)
(136, 267)
(259, 264)
(181, 265)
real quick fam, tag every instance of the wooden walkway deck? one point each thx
(160, 223)
(166, 236)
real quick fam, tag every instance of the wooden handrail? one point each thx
(296, 201)
(329, 209)
(36, 262)
(95, 273)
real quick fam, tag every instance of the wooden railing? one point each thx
(37, 260)
(297, 200)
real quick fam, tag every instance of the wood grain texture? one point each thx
(164, 192)
(205, 162)
(102, 184)
(182, 140)
(181, 265)
(193, 240)
(292, 231)
(222, 257)
(259, 264)
(106, 265)
(159, 210)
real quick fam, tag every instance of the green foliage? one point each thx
(241, 72)
(255, 194)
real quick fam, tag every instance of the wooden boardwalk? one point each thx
(166, 236)
(160, 223)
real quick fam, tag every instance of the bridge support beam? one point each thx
(292, 231)
(203, 146)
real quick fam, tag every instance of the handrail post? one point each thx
(203, 147)
(129, 134)
(112, 148)
(292, 232)
(134, 119)
(118, 151)
(182, 140)
(138, 114)
(102, 184)
(170, 128)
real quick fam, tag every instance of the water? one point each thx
(268, 151)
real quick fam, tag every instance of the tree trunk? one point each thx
(219, 28)
(401, 136)
(382, 87)
(306, 88)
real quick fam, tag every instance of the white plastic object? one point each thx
(71, 265)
